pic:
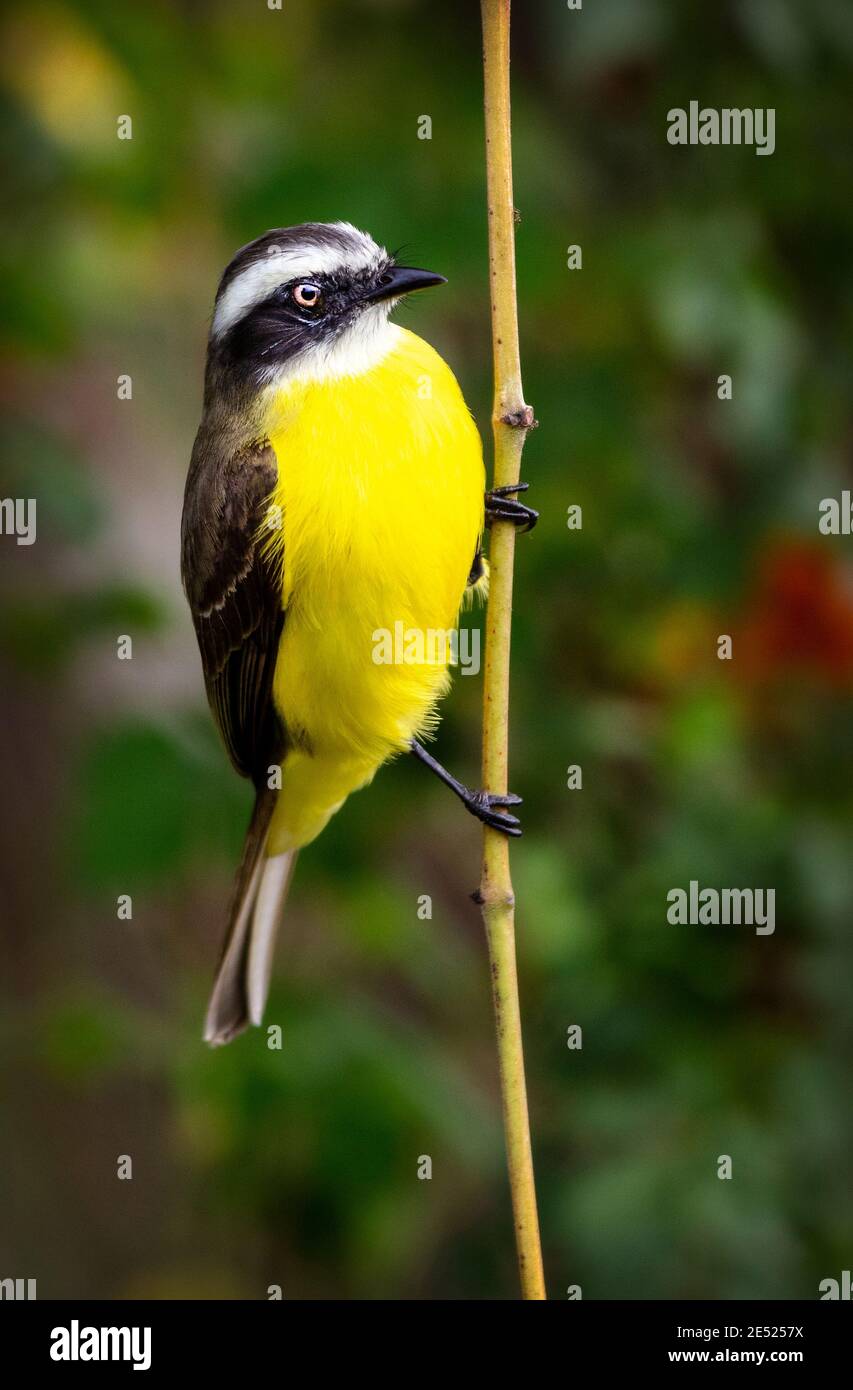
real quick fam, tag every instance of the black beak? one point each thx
(399, 280)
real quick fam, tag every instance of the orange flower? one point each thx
(798, 616)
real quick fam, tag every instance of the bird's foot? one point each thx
(501, 506)
(485, 806)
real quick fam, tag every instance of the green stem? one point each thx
(511, 419)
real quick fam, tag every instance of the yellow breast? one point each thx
(380, 497)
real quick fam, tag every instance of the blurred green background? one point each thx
(299, 1167)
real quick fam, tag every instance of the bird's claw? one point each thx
(500, 506)
(484, 805)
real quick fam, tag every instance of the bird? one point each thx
(336, 488)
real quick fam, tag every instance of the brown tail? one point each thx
(242, 978)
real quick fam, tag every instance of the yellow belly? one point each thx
(380, 497)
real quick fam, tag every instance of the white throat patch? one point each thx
(356, 350)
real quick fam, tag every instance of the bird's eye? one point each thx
(307, 296)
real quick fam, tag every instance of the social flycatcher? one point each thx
(335, 490)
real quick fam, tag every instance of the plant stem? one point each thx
(511, 419)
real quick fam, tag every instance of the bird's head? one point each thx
(311, 300)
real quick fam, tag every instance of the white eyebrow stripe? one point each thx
(254, 284)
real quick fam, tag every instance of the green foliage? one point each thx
(151, 802)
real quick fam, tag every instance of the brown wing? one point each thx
(235, 597)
